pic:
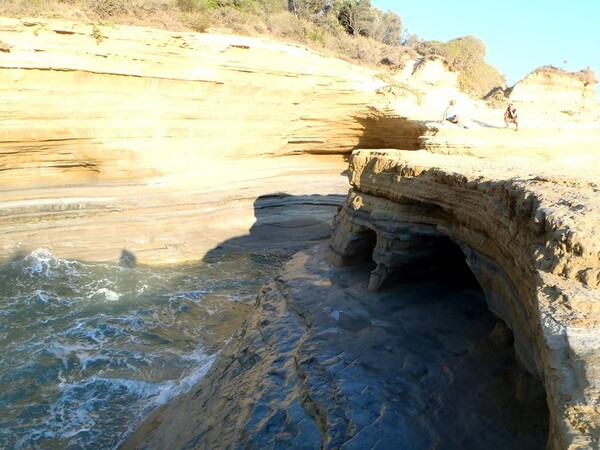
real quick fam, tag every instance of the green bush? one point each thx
(465, 55)
(197, 21)
(316, 35)
(288, 26)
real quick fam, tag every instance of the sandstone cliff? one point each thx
(106, 123)
(158, 143)
(556, 97)
(324, 362)
(528, 232)
(124, 138)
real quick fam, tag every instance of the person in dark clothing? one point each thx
(511, 116)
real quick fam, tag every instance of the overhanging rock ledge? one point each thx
(529, 236)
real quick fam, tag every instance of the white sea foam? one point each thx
(90, 358)
(193, 295)
(110, 295)
(39, 263)
(105, 345)
(42, 296)
(42, 262)
(66, 351)
(172, 389)
(126, 323)
(82, 407)
(104, 329)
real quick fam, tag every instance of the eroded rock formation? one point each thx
(528, 234)
(128, 138)
(104, 123)
(330, 357)
(556, 97)
(324, 363)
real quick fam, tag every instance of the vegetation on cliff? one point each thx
(349, 29)
(465, 55)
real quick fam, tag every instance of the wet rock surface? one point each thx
(323, 363)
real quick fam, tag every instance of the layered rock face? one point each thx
(113, 93)
(103, 124)
(556, 98)
(128, 138)
(528, 235)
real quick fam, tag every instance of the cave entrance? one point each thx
(455, 356)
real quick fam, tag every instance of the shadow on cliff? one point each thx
(390, 132)
(284, 224)
(486, 125)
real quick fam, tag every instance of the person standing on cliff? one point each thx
(511, 116)
(451, 115)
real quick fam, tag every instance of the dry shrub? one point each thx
(227, 17)
(20, 8)
(197, 21)
(191, 6)
(395, 57)
(253, 24)
(261, 28)
(248, 26)
(321, 32)
(105, 9)
(588, 76)
(479, 78)
(498, 97)
(358, 49)
(288, 26)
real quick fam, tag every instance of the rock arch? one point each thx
(533, 260)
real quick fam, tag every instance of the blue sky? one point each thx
(520, 35)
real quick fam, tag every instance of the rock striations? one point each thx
(157, 145)
(127, 138)
(528, 234)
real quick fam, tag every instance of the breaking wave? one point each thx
(90, 349)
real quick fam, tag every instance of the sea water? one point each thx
(89, 349)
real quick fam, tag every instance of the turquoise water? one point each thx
(89, 349)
